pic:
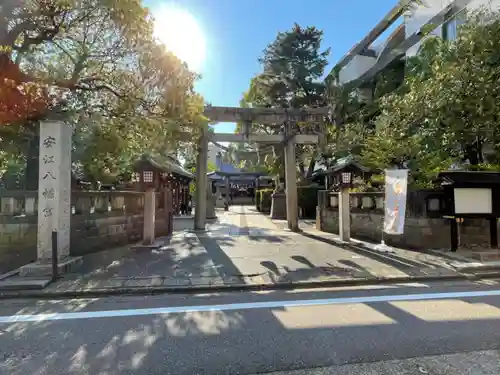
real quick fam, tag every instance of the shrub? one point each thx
(265, 200)
(308, 200)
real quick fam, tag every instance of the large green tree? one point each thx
(291, 77)
(96, 60)
(447, 111)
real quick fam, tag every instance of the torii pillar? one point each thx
(200, 211)
(292, 210)
(228, 190)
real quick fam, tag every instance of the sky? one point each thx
(223, 39)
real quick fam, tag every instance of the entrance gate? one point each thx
(287, 121)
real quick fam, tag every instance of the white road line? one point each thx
(240, 306)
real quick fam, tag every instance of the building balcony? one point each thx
(359, 65)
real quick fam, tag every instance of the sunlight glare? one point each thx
(181, 34)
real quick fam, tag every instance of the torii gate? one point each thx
(289, 137)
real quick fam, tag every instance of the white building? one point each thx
(213, 150)
(370, 56)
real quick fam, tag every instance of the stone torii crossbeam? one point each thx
(289, 137)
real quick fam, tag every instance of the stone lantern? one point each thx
(340, 177)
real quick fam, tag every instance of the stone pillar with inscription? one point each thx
(54, 196)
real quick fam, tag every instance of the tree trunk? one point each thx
(302, 169)
(473, 153)
(312, 164)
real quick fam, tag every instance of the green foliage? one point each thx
(292, 69)
(445, 113)
(410, 5)
(192, 186)
(264, 199)
(122, 93)
(308, 200)
(389, 79)
(257, 200)
(11, 171)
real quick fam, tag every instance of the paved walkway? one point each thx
(242, 248)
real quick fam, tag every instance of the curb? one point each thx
(482, 270)
(145, 291)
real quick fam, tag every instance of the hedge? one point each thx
(307, 196)
(263, 199)
(308, 200)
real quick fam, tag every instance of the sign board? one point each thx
(473, 201)
(396, 186)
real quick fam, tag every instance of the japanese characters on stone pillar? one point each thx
(54, 189)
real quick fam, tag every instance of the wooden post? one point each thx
(228, 190)
(174, 197)
(454, 235)
(493, 233)
(178, 196)
(183, 195)
(167, 197)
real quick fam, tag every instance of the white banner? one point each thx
(396, 186)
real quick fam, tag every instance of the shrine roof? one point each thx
(165, 164)
(469, 177)
(241, 174)
(342, 163)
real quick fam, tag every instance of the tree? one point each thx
(293, 65)
(97, 60)
(292, 68)
(410, 5)
(447, 109)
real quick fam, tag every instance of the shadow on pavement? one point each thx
(387, 258)
(220, 257)
(242, 341)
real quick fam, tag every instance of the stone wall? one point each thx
(98, 233)
(243, 201)
(420, 232)
(18, 243)
(100, 220)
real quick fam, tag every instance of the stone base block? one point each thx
(486, 255)
(183, 223)
(44, 268)
(211, 202)
(220, 202)
(158, 244)
(278, 206)
(318, 218)
(298, 230)
(21, 283)
(211, 215)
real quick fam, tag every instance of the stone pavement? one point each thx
(245, 249)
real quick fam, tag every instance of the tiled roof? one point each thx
(166, 164)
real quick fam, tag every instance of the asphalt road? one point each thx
(471, 363)
(249, 333)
